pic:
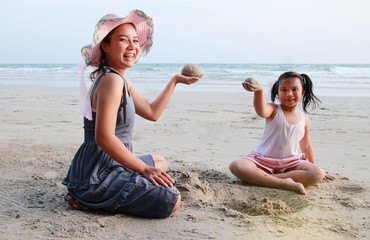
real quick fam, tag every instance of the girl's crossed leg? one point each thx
(294, 179)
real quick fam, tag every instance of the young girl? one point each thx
(276, 161)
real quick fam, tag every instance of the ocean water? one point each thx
(328, 79)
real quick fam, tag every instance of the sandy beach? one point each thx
(199, 134)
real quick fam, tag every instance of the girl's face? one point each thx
(123, 48)
(290, 92)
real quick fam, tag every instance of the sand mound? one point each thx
(192, 189)
(217, 189)
(257, 205)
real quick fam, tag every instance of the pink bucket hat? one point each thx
(91, 53)
(142, 23)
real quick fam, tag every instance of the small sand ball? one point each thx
(250, 80)
(191, 70)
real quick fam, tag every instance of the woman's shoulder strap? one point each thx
(106, 70)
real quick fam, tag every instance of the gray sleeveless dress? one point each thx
(98, 181)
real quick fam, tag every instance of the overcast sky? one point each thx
(200, 31)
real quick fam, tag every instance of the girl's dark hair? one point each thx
(308, 96)
(94, 74)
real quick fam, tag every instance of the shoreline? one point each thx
(186, 90)
(199, 134)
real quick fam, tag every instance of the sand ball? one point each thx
(191, 70)
(250, 80)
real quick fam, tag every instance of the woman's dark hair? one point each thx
(308, 96)
(94, 74)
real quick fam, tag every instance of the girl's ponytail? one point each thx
(308, 95)
(274, 90)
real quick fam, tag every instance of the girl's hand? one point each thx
(256, 87)
(187, 80)
(157, 175)
(328, 177)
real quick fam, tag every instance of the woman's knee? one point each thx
(177, 205)
(160, 162)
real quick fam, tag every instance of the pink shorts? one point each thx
(274, 165)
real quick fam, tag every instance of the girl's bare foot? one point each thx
(289, 184)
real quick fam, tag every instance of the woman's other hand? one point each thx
(158, 176)
(186, 80)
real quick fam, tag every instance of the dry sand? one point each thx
(199, 134)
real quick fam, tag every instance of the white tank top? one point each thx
(281, 139)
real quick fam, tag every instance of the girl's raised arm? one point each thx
(262, 109)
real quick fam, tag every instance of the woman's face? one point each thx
(123, 48)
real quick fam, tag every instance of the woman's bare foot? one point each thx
(289, 184)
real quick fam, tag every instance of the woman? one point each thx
(104, 173)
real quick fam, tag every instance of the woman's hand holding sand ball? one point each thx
(252, 85)
(190, 74)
